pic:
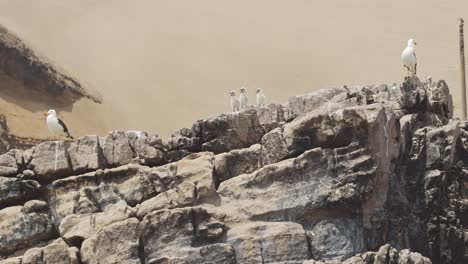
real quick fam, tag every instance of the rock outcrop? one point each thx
(371, 174)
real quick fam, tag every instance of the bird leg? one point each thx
(408, 70)
(415, 67)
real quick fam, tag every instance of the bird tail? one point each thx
(69, 136)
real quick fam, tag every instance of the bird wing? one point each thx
(65, 129)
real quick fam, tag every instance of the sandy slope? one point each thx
(162, 64)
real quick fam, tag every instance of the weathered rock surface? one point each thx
(15, 191)
(116, 243)
(362, 174)
(20, 229)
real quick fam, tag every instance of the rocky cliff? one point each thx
(371, 174)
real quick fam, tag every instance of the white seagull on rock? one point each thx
(56, 126)
(243, 98)
(235, 104)
(408, 57)
(260, 97)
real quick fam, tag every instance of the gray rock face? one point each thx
(15, 191)
(20, 230)
(86, 154)
(336, 239)
(344, 175)
(9, 163)
(148, 148)
(116, 148)
(50, 161)
(237, 162)
(264, 242)
(77, 227)
(116, 243)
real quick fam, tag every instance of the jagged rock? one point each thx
(441, 146)
(168, 235)
(314, 176)
(198, 168)
(86, 154)
(336, 239)
(19, 230)
(116, 243)
(338, 129)
(338, 173)
(116, 148)
(148, 148)
(414, 95)
(9, 163)
(182, 195)
(50, 161)
(14, 191)
(237, 162)
(440, 99)
(231, 131)
(274, 147)
(271, 116)
(90, 193)
(263, 242)
(299, 105)
(77, 227)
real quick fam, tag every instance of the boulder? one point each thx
(15, 191)
(116, 243)
(86, 154)
(274, 147)
(336, 239)
(236, 162)
(9, 163)
(182, 195)
(50, 161)
(20, 230)
(182, 235)
(147, 148)
(299, 105)
(231, 131)
(116, 149)
(77, 227)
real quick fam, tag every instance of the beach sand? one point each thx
(160, 65)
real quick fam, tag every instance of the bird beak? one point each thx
(45, 113)
(415, 43)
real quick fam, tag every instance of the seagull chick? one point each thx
(56, 126)
(408, 57)
(235, 104)
(243, 98)
(260, 97)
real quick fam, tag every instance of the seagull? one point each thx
(243, 98)
(235, 104)
(55, 125)
(260, 97)
(408, 57)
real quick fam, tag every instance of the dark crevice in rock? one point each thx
(141, 250)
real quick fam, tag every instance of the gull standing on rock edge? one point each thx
(235, 104)
(260, 97)
(243, 98)
(408, 57)
(56, 126)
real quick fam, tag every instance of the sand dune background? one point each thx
(160, 65)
